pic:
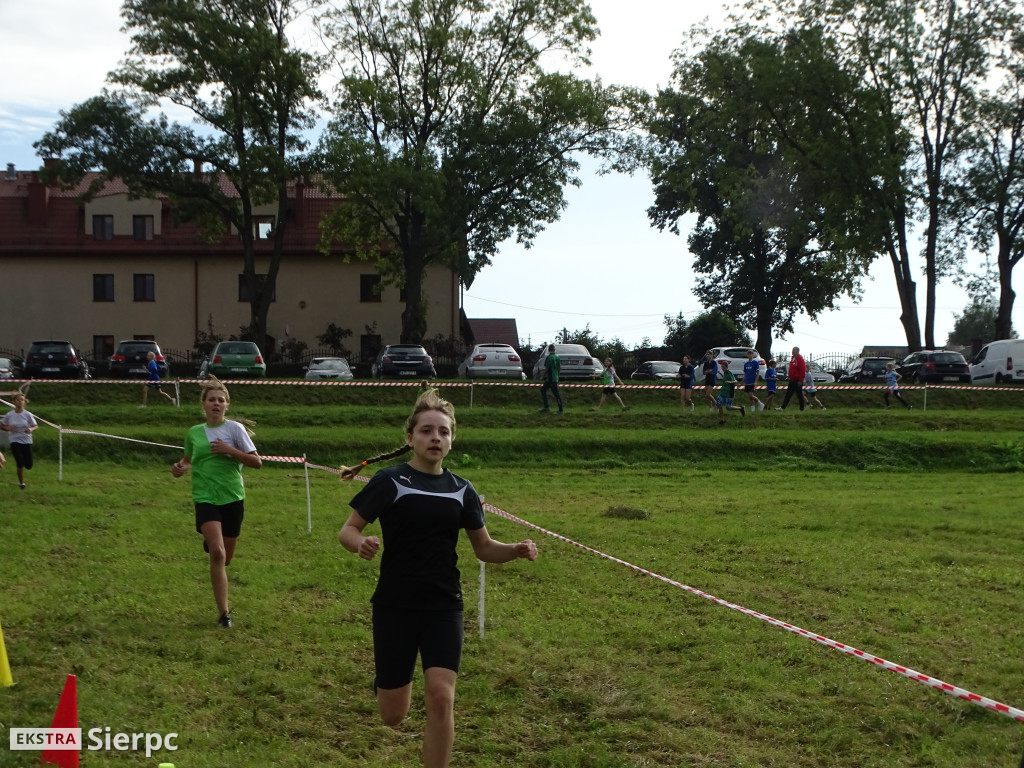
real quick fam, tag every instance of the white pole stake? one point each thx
(60, 453)
(480, 605)
(177, 393)
(309, 505)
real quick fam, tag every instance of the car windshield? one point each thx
(665, 367)
(400, 350)
(331, 364)
(875, 365)
(948, 357)
(52, 349)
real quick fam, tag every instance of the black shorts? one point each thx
(22, 453)
(399, 633)
(749, 387)
(609, 390)
(709, 381)
(228, 515)
(154, 384)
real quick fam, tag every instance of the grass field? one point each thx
(895, 532)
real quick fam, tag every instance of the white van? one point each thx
(999, 361)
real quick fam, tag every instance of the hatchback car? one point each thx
(492, 361)
(657, 369)
(6, 368)
(576, 363)
(333, 368)
(131, 358)
(934, 365)
(232, 359)
(737, 357)
(866, 370)
(54, 360)
(402, 360)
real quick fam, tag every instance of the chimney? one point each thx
(38, 201)
(11, 173)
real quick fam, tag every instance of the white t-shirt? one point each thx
(23, 419)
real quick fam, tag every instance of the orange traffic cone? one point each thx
(5, 667)
(66, 716)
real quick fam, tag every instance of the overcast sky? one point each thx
(602, 264)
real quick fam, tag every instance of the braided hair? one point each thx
(429, 400)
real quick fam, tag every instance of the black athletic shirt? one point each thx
(420, 517)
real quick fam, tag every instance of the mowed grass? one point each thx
(894, 532)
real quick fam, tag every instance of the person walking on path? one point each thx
(216, 451)
(153, 380)
(892, 378)
(751, 370)
(19, 424)
(771, 383)
(686, 372)
(709, 369)
(811, 392)
(725, 397)
(795, 372)
(552, 367)
(417, 603)
(610, 377)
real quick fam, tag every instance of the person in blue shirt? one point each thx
(751, 370)
(686, 372)
(892, 385)
(153, 380)
(811, 392)
(771, 383)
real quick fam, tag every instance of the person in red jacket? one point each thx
(796, 371)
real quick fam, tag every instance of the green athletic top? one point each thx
(728, 384)
(553, 365)
(216, 478)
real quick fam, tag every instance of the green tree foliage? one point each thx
(978, 323)
(229, 63)
(714, 329)
(449, 137)
(992, 192)
(926, 60)
(334, 337)
(769, 142)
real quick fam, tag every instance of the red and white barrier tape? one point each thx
(115, 437)
(910, 674)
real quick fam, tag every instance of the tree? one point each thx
(713, 329)
(448, 135)
(230, 63)
(926, 59)
(993, 185)
(769, 143)
(977, 324)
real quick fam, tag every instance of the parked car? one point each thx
(336, 368)
(492, 361)
(999, 361)
(6, 368)
(737, 357)
(130, 359)
(576, 363)
(54, 360)
(234, 359)
(866, 370)
(657, 369)
(401, 360)
(818, 374)
(933, 365)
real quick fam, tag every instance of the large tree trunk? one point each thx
(414, 316)
(905, 284)
(1006, 261)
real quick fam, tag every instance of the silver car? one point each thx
(334, 368)
(492, 361)
(6, 369)
(576, 363)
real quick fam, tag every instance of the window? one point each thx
(369, 346)
(243, 291)
(102, 287)
(142, 227)
(263, 227)
(144, 288)
(102, 347)
(102, 227)
(369, 288)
